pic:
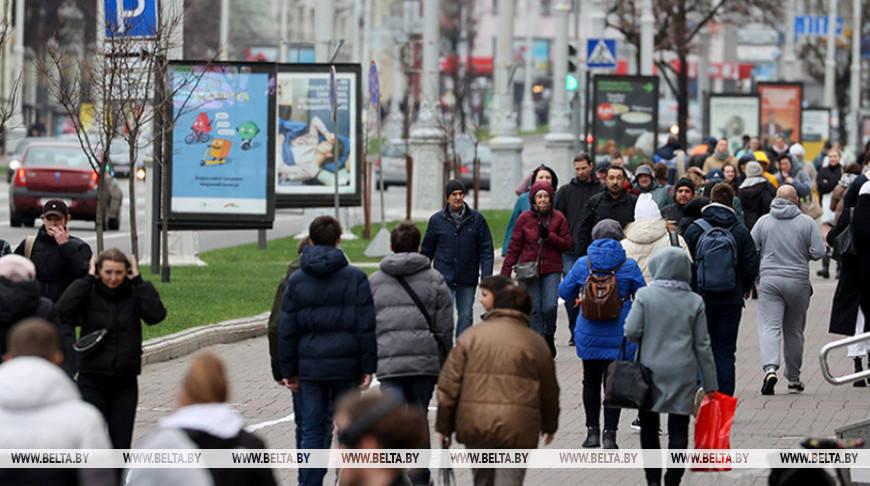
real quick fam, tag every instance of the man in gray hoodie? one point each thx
(787, 240)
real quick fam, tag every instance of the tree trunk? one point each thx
(131, 190)
(101, 200)
(164, 227)
(683, 98)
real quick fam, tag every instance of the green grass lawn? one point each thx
(240, 281)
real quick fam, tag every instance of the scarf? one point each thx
(671, 284)
(753, 181)
(721, 156)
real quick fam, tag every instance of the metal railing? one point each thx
(826, 370)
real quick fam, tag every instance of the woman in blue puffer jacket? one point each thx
(598, 342)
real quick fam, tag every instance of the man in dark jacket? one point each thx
(412, 342)
(60, 259)
(756, 194)
(684, 191)
(724, 309)
(459, 244)
(571, 201)
(326, 335)
(615, 203)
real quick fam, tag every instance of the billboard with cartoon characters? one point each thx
(221, 164)
(307, 141)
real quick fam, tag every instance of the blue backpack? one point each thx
(716, 258)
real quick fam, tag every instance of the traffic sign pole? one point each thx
(333, 102)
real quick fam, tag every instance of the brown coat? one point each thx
(498, 387)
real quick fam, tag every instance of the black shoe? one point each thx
(858, 369)
(823, 273)
(571, 341)
(551, 343)
(769, 382)
(593, 437)
(608, 440)
(635, 424)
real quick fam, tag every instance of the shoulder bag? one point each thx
(628, 383)
(844, 243)
(442, 353)
(528, 271)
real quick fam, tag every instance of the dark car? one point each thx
(57, 170)
(119, 158)
(466, 155)
(393, 162)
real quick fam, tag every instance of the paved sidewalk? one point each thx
(778, 421)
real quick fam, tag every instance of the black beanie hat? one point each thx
(684, 182)
(454, 185)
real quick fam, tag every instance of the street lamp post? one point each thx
(855, 77)
(560, 141)
(528, 114)
(829, 57)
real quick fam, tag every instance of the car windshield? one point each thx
(393, 151)
(56, 157)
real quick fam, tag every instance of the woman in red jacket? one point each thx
(540, 235)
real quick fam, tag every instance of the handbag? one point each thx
(529, 271)
(844, 243)
(442, 352)
(89, 343)
(811, 208)
(628, 383)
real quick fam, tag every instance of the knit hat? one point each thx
(753, 169)
(453, 185)
(602, 166)
(716, 175)
(865, 189)
(643, 169)
(797, 150)
(16, 268)
(607, 228)
(684, 182)
(646, 208)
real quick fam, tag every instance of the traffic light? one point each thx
(571, 82)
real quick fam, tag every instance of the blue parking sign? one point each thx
(131, 18)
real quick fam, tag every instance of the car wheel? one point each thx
(9, 176)
(14, 218)
(384, 186)
(29, 222)
(115, 223)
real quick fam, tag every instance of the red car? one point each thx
(57, 170)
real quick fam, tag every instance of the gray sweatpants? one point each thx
(782, 316)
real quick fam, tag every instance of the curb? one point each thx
(191, 340)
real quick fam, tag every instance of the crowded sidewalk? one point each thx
(778, 421)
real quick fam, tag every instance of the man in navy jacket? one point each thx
(459, 244)
(326, 336)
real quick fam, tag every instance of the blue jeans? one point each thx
(568, 262)
(318, 399)
(723, 321)
(545, 301)
(463, 299)
(416, 391)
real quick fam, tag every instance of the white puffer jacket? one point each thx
(643, 238)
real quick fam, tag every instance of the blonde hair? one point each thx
(206, 381)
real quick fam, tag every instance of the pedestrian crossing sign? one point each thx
(601, 53)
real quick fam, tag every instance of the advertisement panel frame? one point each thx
(594, 128)
(814, 148)
(186, 219)
(314, 196)
(761, 88)
(748, 129)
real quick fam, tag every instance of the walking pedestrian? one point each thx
(793, 176)
(786, 240)
(647, 184)
(40, 408)
(723, 282)
(541, 236)
(490, 286)
(571, 200)
(540, 173)
(614, 203)
(684, 191)
(112, 299)
(720, 157)
(598, 341)
(459, 244)
(826, 181)
(204, 420)
(668, 323)
(19, 295)
(414, 324)
(326, 336)
(755, 193)
(498, 388)
(646, 234)
(60, 258)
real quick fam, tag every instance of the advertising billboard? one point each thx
(815, 131)
(625, 116)
(221, 163)
(731, 116)
(780, 111)
(307, 140)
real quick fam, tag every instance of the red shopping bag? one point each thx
(713, 426)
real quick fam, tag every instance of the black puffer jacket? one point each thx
(604, 206)
(20, 300)
(57, 265)
(571, 201)
(756, 201)
(93, 306)
(828, 177)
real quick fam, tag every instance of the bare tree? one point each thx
(453, 34)
(8, 103)
(677, 24)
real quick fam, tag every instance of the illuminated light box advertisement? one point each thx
(780, 111)
(625, 115)
(731, 116)
(307, 140)
(815, 131)
(222, 151)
